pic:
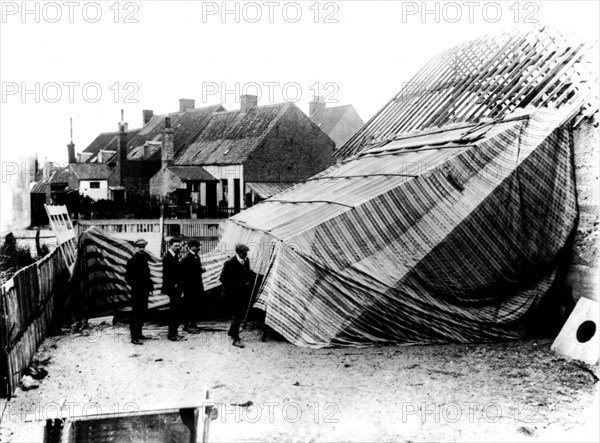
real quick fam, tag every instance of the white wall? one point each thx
(17, 174)
(228, 172)
(95, 194)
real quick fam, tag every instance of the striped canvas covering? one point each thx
(451, 235)
(100, 274)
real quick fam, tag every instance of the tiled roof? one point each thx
(91, 171)
(328, 118)
(186, 127)
(197, 173)
(40, 188)
(61, 176)
(107, 141)
(487, 78)
(231, 136)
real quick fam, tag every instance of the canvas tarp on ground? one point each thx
(451, 235)
(99, 277)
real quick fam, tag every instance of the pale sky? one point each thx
(75, 61)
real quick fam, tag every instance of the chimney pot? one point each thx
(186, 103)
(248, 102)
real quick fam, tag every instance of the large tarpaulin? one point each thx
(451, 235)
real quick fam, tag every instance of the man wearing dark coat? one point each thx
(193, 288)
(138, 277)
(172, 286)
(237, 280)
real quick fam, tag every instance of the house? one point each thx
(104, 147)
(51, 187)
(339, 122)
(241, 155)
(135, 155)
(90, 179)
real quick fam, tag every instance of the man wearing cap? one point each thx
(138, 277)
(172, 285)
(237, 279)
(193, 288)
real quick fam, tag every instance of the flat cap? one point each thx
(140, 242)
(193, 243)
(241, 248)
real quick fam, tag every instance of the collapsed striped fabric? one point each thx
(100, 275)
(452, 235)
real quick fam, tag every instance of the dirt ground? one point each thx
(516, 391)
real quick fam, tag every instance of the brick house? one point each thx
(243, 156)
(135, 155)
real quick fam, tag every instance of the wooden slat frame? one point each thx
(510, 71)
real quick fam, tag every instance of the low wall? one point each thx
(584, 272)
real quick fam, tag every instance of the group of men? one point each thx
(182, 282)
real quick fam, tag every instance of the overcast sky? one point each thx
(88, 60)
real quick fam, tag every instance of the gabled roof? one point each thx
(186, 127)
(40, 188)
(60, 176)
(230, 137)
(57, 177)
(328, 118)
(108, 141)
(195, 173)
(91, 171)
(487, 78)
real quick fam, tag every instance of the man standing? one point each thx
(172, 286)
(138, 277)
(237, 279)
(193, 288)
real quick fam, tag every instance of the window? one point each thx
(94, 185)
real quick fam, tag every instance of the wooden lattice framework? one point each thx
(488, 78)
(66, 239)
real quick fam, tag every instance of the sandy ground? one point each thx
(518, 391)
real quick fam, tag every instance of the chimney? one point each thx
(248, 102)
(167, 152)
(147, 115)
(317, 104)
(71, 146)
(46, 169)
(122, 150)
(186, 103)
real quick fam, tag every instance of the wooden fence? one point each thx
(30, 302)
(204, 230)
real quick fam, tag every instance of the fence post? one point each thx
(4, 383)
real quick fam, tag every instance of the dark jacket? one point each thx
(171, 274)
(137, 274)
(237, 279)
(191, 274)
